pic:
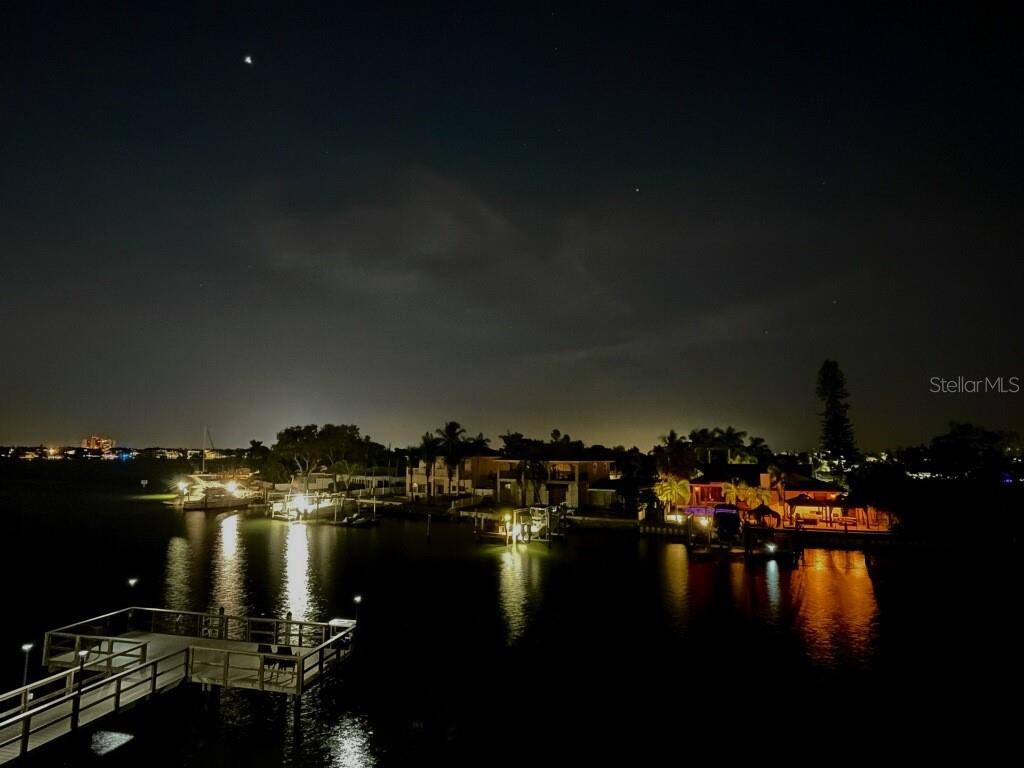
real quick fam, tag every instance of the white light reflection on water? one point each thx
(184, 556)
(107, 741)
(229, 569)
(774, 590)
(350, 745)
(178, 580)
(297, 594)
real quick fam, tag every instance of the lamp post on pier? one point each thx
(81, 670)
(26, 649)
(357, 600)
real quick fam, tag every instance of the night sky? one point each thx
(610, 221)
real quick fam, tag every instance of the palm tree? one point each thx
(671, 491)
(429, 446)
(777, 482)
(730, 440)
(674, 456)
(531, 468)
(450, 442)
(731, 492)
(759, 450)
(704, 439)
(538, 472)
(521, 469)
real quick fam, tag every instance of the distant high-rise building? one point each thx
(97, 443)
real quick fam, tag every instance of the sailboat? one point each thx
(208, 491)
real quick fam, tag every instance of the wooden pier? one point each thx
(116, 660)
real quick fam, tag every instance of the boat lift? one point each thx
(528, 524)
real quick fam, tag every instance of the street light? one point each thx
(357, 600)
(81, 669)
(26, 649)
(132, 581)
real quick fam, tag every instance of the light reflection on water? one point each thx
(771, 575)
(836, 609)
(229, 570)
(828, 599)
(185, 562)
(297, 595)
(350, 744)
(675, 584)
(178, 587)
(825, 606)
(519, 584)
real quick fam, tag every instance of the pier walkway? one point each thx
(110, 662)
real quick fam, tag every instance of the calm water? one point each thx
(608, 644)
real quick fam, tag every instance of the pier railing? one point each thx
(108, 664)
(247, 629)
(63, 649)
(287, 673)
(59, 704)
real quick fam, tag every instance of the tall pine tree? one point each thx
(836, 430)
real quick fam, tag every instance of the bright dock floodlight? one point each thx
(132, 581)
(27, 647)
(357, 599)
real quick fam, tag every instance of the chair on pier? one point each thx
(285, 664)
(266, 650)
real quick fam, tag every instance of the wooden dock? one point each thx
(116, 660)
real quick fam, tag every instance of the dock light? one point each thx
(132, 581)
(357, 600)
(182, 487)
(81, 670)
(770, 547)
(26, 649)
(705, 521)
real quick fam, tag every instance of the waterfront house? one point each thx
(796, 498)
(509, 481)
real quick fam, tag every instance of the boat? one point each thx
(537, 523)
(204, 491)
(357, 521)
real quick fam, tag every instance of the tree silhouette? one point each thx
(837, 438)
(451, 445)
